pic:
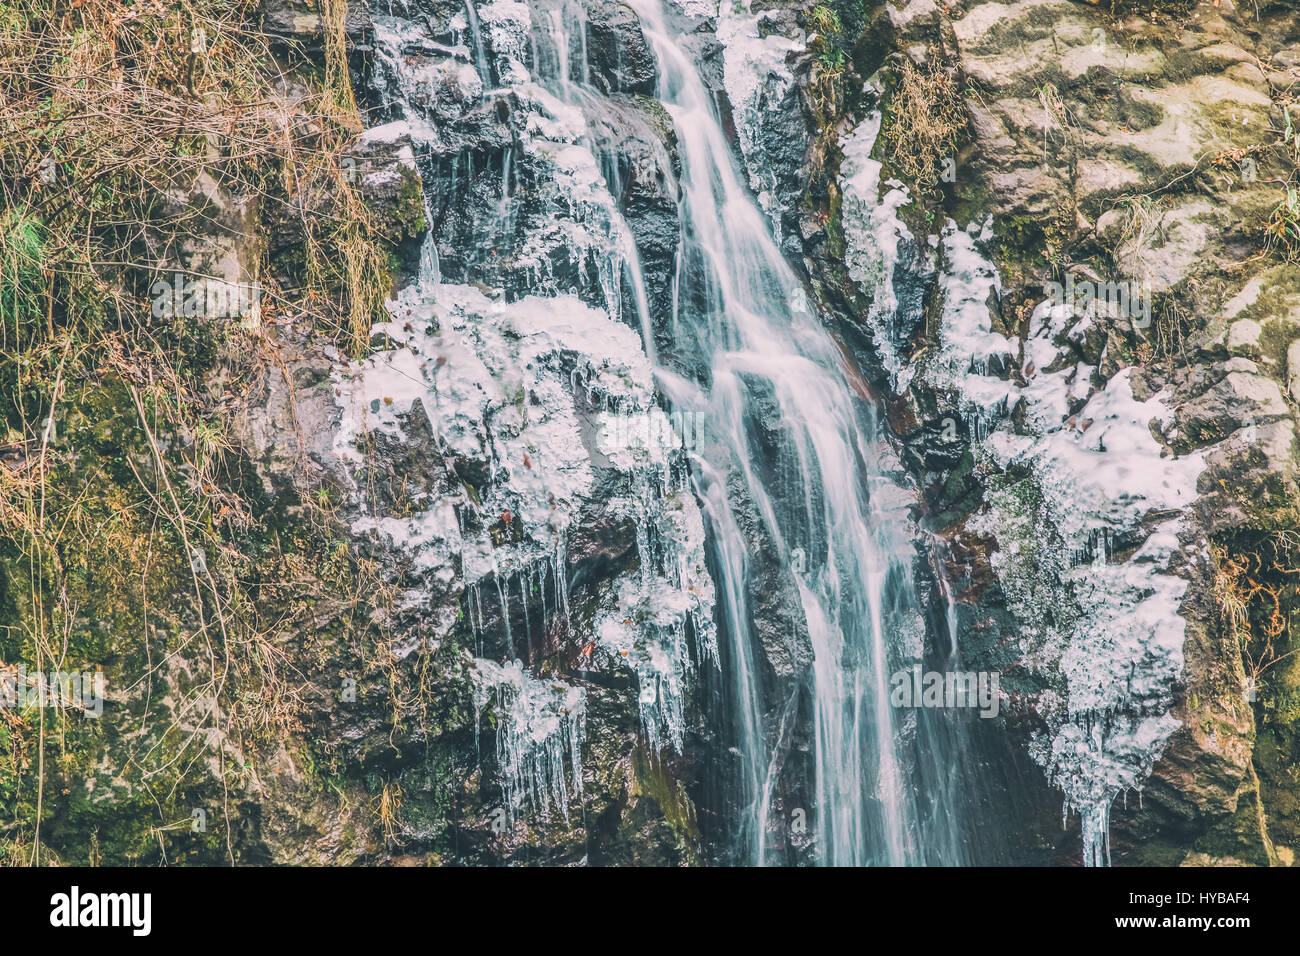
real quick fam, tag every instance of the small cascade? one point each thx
(530, 379)
(476, 37)
(742, 311)
(941, 553)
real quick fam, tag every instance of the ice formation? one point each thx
(540, 727)
(498, 382)
(536, 393)
(757, 79)
(644, 621)
(1109, 628)
(1105, 632)
(873, 233)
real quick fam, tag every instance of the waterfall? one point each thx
(476, 37)
(785, 438)
(742, 310)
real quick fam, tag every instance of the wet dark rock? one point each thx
(618, 55)
(385, 174)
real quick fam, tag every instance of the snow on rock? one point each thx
(873, 233)
(1076, 478)
(508, 23)
(968, 346)
(757, 78)
(416, 74)
(500, 383)
(587, 225)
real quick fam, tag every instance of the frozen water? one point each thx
(539, 733)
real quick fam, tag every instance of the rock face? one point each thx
(500, 456)
(504, 648)
(1091, 461)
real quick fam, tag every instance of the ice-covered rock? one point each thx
(540, 728)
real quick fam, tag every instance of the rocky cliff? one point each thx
(1110, 479)
(411, 564)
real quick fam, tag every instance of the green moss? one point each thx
(410, 205)
(960, 494)
(1276, 336)
(654, 782)
(22, 263)
(1239, 837)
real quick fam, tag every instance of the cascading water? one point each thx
(740, 311)
(752, 361)
(741, 308)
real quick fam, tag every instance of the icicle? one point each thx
(540, 724)
(1095, 825)
(503, 596)
(503, 207)
(541, 587)
(561, 575)
(474, 607)
(528, 627)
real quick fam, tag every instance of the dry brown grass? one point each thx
(925, 123)
(1253, 595)
(116, 121)
(113, 119)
